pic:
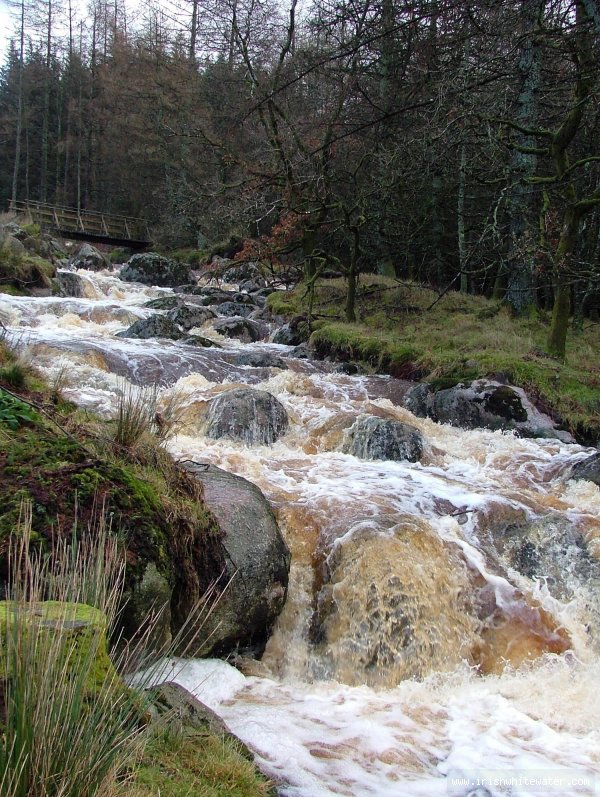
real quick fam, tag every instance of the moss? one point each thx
(23, 271)
(196, 762)
(284, 303)
(82, 646)
(153, 504)
(33, 229)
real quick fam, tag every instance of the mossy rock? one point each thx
(81, 648)
(157, 510)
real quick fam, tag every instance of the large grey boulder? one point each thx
(88, 257)
(295, 332)
(156, 326)
(70, 284)
(150, 268)
(253, 416)
(235, 309)
(241, 328)
(375, 438)
(588, 469)
(242, 273)
(259, 359)
(189, 317)
(483, 404)
(257, 568)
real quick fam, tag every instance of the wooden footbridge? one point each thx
(87, 225)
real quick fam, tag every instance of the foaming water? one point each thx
(442, 616)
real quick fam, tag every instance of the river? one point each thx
(442, 627)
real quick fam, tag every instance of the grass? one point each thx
(69, 726)
(186, 762)
(459, 338)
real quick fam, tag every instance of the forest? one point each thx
(451, 143)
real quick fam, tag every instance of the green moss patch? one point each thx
(74, 634)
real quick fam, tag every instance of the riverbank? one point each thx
(75, 473)
(410, 332)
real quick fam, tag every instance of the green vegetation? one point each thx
(68, 724)
(66, 464)
(20, 272)
(189, 761)
(460, 338)
(81, 516)
(14, 412)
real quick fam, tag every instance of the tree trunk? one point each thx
(17, 162)
(520, 293)
(460, 220)
(557, 338)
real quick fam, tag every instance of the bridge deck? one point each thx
(88, 225)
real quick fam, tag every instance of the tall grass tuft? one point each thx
(136, 415)
(69, 726)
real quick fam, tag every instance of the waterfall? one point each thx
(441, 632)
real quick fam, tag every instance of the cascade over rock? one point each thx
(150, 268)
(88, 257)
(252, 416)
(257, 567)
(483, 404)
(70, 284)
(371, 437)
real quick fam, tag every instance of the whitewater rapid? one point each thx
(375, 706)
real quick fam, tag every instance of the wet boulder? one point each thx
(156, 326)
(88, 257)
(253, 416)
(213, 296)
(257, 563)
(483, 404)
(260, 359)
(200, 340)
(150, 268)
(551, 549)
(295, 332)
(588, 469)
(252, 285)
(234, 309)
(164, 303)
(68, 283)
(241, 328)
(242, 273)
(189, 317)
(376, 438)
(302, 352)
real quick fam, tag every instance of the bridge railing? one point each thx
(85, 222)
